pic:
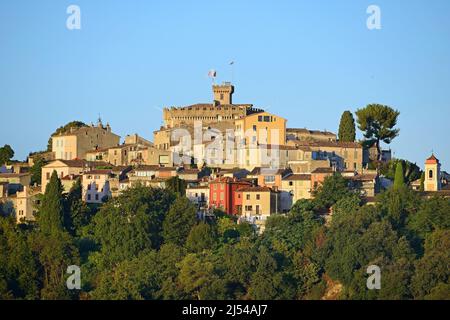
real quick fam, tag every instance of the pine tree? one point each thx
(399, 179)
(347, 129)
(51, 213)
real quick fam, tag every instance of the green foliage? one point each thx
(64, 129)
(411, 171)
(347, 129)
(179, 221)
(130, 224)
(333, 189)
(399, 180)
(432, 271)
(177, 185)
(377, 122)
(6, 154)
(202, 237)
(50, 217)
(36, 171)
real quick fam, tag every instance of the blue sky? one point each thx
(307, 61)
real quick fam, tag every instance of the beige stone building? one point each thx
(298, 186)
(256, 204)
(304, 134)
(15, 181)
(75, 143)
(96, 186)
(25, 203)
(67, 168)
(260, 128)
(348, 155)
(432, 174)
(221, 110)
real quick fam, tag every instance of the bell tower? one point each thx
(432, 174)
(223, 94)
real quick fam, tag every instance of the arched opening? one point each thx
(430, 174)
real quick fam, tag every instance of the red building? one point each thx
(222, 193)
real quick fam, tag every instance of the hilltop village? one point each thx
(223, 156)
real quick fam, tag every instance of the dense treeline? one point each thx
(148, 244)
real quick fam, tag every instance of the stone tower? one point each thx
(432, 174)
(223, 94)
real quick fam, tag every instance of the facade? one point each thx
(96, 186)
(15, 181)
(25, 204)
(222, 194)
(432, 174)
(260, 128)
(348, 154)
(256, 204)
(78, 141)
(304, 134)
(67, 168)
(199, 195)
(298, 186)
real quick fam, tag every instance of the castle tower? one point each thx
(432, 174)
(223, 94)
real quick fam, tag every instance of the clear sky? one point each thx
(307, 61)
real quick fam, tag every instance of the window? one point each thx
(222, 196)
(89, 197)
(254, 127)
(269, 179)
(354, 165)
(248, 197)
(430, 174)
(48, 175)
(96, 197)
(257, 209)
(258, 197)
(260, 118)
(267, 118)
(291, 183)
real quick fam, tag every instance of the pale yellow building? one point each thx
(298, 186)
(25, 203)
(75, 143)
(257, 202)
(96, 186)
(432, 174)
(67, 168)
(260, 128)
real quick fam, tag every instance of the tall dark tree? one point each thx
(6, 154)
(181, 218)
(347, 129)
(399, 180)
(51, 213)
(177, 185)
(378, 124)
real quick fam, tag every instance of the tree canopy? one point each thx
(347, 129)
(378, 124)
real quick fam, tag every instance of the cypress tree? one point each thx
(399, 179)
(51, 213)
(422, 182)
(347, 129)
